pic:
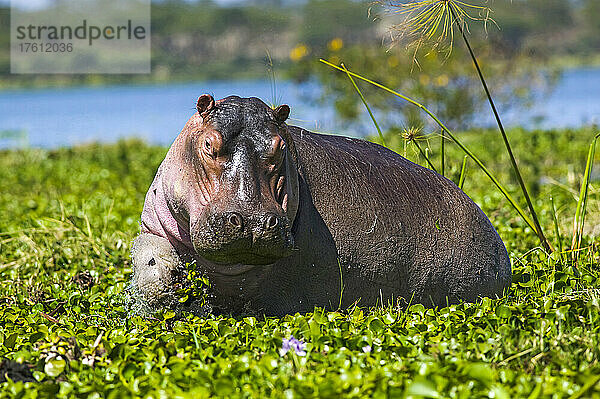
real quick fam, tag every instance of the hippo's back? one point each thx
(404, 228)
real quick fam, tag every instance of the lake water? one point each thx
(62, 117)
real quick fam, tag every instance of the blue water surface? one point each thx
(62, 117)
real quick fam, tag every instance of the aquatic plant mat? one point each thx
(67, 219)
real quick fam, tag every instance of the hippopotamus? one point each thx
(281, 220)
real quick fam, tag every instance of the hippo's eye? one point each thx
(277, 158)
(208, 148)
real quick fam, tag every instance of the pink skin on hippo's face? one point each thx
(232, 195)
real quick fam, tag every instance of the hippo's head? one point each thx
(238, 185)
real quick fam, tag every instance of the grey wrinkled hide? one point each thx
(383, 225)
(155, 281)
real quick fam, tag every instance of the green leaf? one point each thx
(54, 367)
(376, 325)
(480, 371)
(422, 388)
(33, 338)
(11, 341)
(503, 311)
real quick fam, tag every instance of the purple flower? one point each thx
(292, 344)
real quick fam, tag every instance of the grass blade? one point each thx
(579, 219)
(425, 155)
(463, 173)
(366, 106)
(443, 154)
(271, 75)
(590, 384)
(556, 228)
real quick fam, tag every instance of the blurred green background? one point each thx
(223, 40)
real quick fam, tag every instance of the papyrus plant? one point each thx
(434, 22)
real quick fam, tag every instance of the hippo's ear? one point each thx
(281, 113)
(205, 104)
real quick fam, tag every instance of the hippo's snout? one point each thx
(233, 237)
(270, 222)
(265, 227)
(235, 220)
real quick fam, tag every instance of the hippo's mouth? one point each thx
(231, 270)
(231, 263)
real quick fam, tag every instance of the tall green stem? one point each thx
(538, 228)
(424, 154)
(366, 106)
(579, 219)
(443, 153)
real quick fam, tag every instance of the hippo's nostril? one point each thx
(235, 219)
(271, 222)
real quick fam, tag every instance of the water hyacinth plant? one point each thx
(540, 340)
(294, 345)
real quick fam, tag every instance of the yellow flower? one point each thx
(335, 44)
(441, 81)
(298, 52)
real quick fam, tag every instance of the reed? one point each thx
(364, 101)
(463, 173)
(580, 211)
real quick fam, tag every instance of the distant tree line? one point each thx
(204, 40)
